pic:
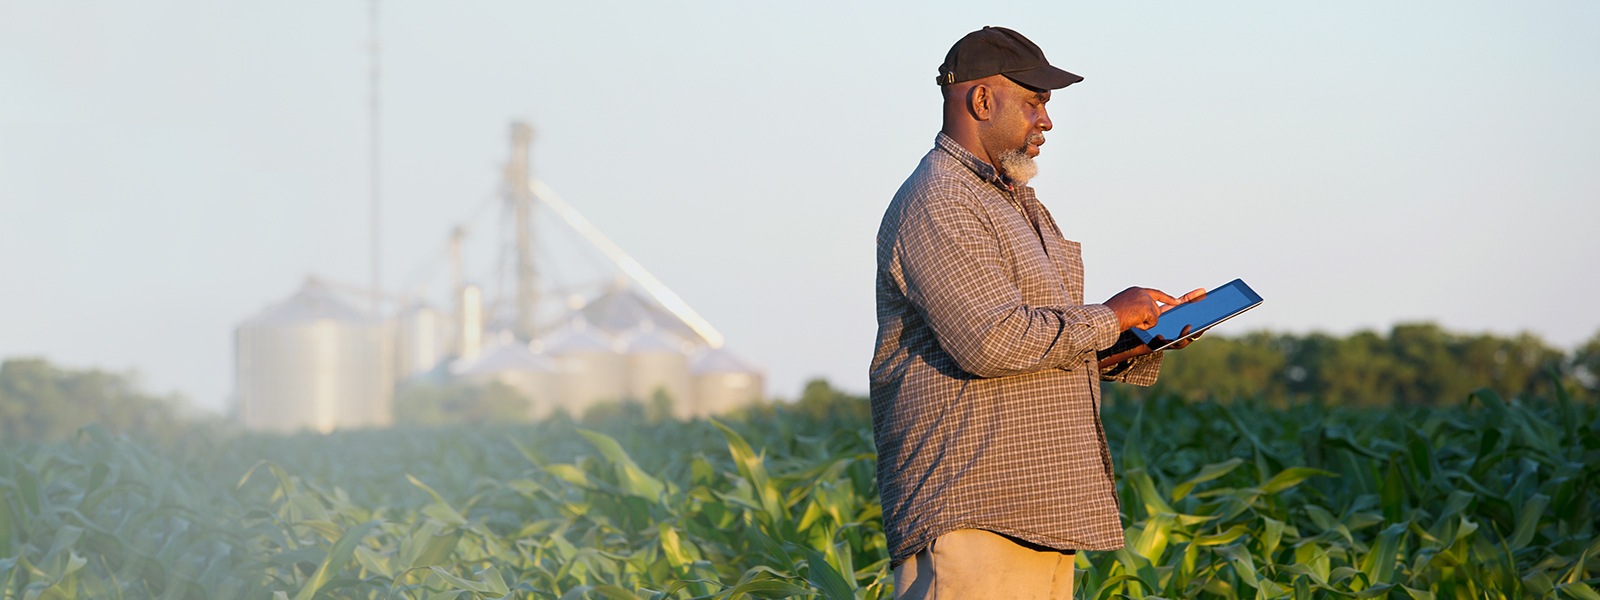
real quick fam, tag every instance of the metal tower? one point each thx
(521, 199)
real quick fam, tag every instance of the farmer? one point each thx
(992, 461)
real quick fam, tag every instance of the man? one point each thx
(992, 461)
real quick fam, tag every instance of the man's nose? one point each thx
(1044, 121)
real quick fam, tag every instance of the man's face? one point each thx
(1021, 114)
(1015, 132)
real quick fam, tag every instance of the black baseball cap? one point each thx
(1001, 51)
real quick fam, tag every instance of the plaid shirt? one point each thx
(985, 382)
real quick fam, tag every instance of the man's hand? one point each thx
(1194, 294)
(1141, 307)
(1183, 342)
(1135, 296)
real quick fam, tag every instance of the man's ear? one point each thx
(980, 102)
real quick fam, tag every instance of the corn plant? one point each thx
(1494, 498)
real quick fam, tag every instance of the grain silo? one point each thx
(659, 362)
(511, 363)
(314, 362)
(592, 371)
(421, 340)
(722, 382)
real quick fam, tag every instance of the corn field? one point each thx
(1488, 499)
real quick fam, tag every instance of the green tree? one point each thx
(820, 401)
(40, 401)
(1415, 364)
(1586, 363)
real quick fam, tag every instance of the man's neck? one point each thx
(968, 139)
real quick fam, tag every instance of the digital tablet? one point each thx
(1219, 305)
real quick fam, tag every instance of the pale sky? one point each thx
(168, 168)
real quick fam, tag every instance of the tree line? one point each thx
(1413, 363)
(42, 401)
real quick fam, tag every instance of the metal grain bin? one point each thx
(658, 361)
(422, 342)
(592, 371)
(512, 364)
(723, 383)
(314, 362)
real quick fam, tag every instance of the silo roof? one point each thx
(577, 336)
(622, 309)
(649, 340)
(315, 301)
(504, 357)
(719, 360)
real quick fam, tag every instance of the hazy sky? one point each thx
(168, 169)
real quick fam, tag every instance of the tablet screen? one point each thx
(1219, 304)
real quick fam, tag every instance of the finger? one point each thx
(1168, 300)
(1161, 296)
(1183, 342)
(1193, 295)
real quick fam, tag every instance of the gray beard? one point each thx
(1017, 165)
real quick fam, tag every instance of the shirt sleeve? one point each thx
(953, 271)
(1140, 370)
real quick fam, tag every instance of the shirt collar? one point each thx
(983, 170)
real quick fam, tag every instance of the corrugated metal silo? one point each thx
(314, 362)
(658, 361)
(722, 382)
(422, 342)
(592, 371)
(512, 364)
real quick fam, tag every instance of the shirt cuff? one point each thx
(1142, 370)
(1103, 321)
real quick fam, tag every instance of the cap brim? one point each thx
(1044, 78)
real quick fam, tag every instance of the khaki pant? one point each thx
(972, 564)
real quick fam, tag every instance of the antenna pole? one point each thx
(377, 283)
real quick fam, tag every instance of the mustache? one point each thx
(1036, 139)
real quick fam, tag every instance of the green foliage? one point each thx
(1414, 364)
(39, 401)
(1267, 495)
(1241, 499)
(1586, 363)
(1489, 498)
(428, 403)
(656, 410)
(821, 403)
